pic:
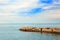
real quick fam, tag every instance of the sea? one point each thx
(10, 31)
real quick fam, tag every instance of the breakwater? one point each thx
(37, 29)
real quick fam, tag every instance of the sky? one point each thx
(29, 11)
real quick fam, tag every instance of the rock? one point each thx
(36, 29)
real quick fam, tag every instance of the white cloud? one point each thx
(50, 16)
(10, 10)
(17, 6)
(1, 1)
(56, 1)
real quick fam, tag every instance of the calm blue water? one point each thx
(10, 32)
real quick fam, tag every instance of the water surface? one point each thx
(11, 32)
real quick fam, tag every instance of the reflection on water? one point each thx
(11, 32)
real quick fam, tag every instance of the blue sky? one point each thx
(29, 11)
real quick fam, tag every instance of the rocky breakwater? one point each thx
(37, 29)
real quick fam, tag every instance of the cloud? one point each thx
(50, 16)
(18, 6)
(29, 11)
